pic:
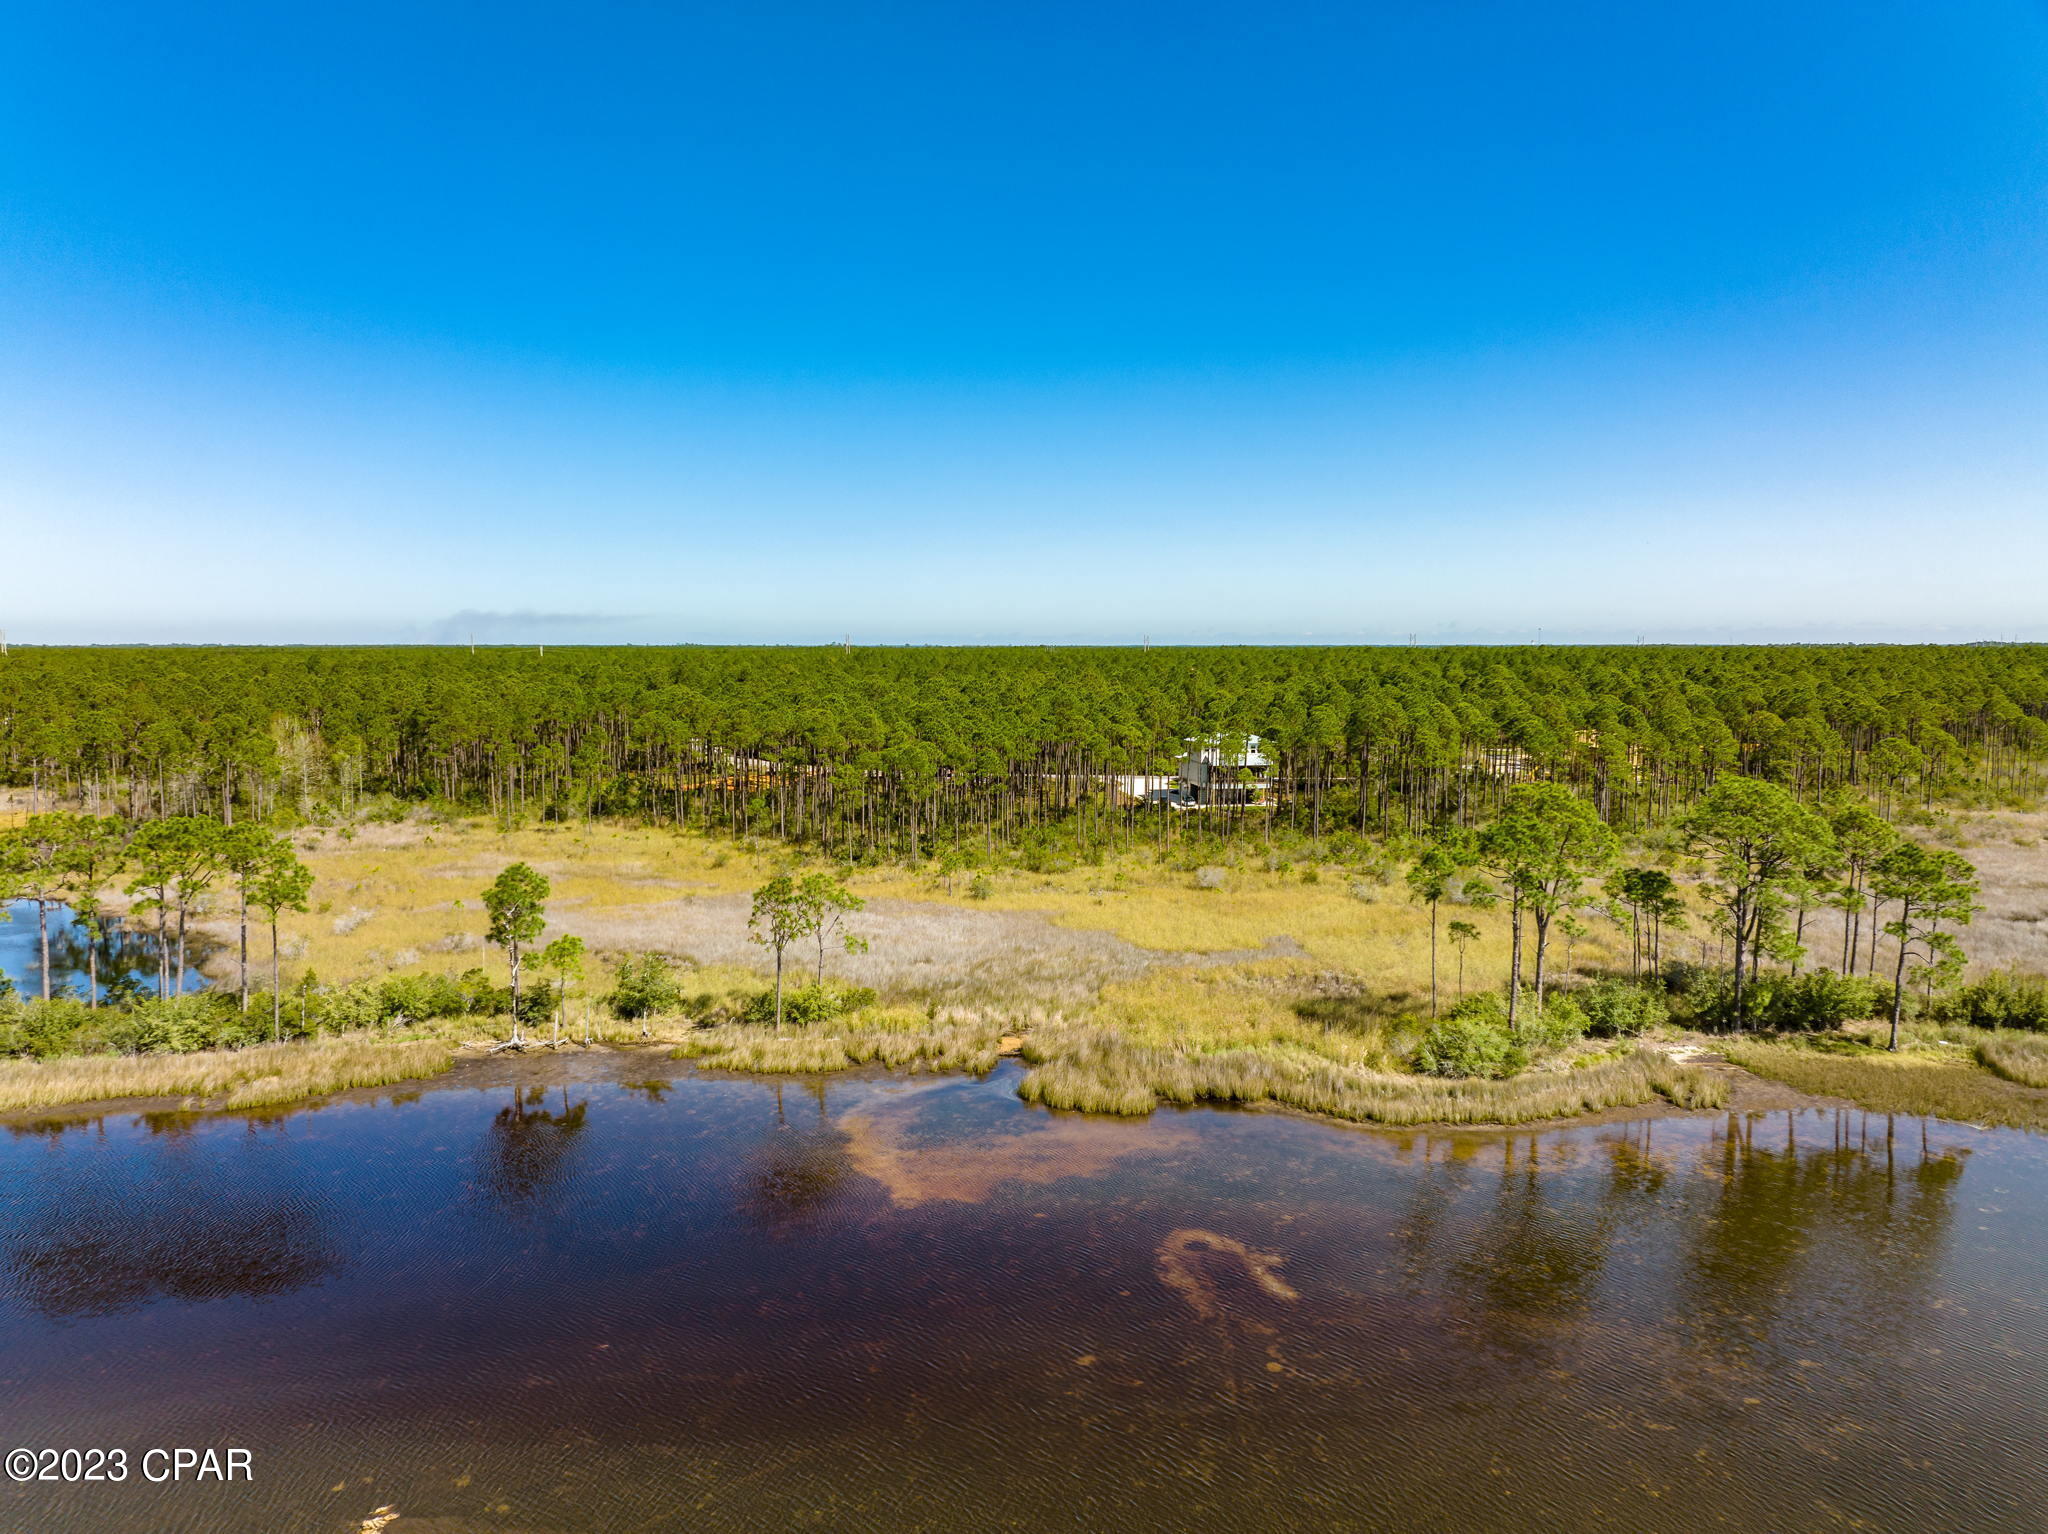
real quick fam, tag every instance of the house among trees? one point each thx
(1510, 764)
(1217, 770)
(1214, 770)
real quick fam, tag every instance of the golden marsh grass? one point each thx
(1939, 1085)
(884, 1036)
(261, 1076)
(405, 898)
(2018, 1058)
(1102, 1074)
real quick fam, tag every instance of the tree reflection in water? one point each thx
(526, 1151)
(203, 1218)
(1779, 1211)
(799, 1169)
(1539, 1250)
(1843, 1206)
(127, 955)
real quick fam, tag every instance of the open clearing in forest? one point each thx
(2010, 851)
(405, 897)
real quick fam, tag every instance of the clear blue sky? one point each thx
(1032, 322)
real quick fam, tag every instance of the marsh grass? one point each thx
(1268, 1008)
(223, 1078)
(1154, 904)
(2019, 1058)
(1939, 1084)
(414, 888)
(759, 1049)
(1102, 1073)
(1238, 1034)
(1248, 1034)
(894, 1037)
(404, 898)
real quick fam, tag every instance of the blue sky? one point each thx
(638, 322)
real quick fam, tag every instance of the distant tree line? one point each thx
(906, 750)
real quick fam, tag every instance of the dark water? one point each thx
(886, 1304)
(126, 951)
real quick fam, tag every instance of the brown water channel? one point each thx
(582, 1299)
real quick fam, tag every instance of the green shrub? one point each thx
(1561, 1021)
(1469, 1046)
(1815, 1002)
(808, 1004)
(43, 1029)
(351, 1008)
(1810, 1003)
(2006, 998)
(167, 1025)
(646, 987)
(1619, 1009)
(1481, 1007)
(420, 997)
(980, 887)
(126, 1031)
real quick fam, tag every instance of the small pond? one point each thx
(127, 953)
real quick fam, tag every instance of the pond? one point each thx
(608, 1294)
(127, 953)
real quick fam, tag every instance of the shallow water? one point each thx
(127, 952)
(607, 1304)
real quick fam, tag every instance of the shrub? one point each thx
(1815, 1002)
(808, 1004)
(1617, 1009)
(426, 996)
(42, 1029)
(1469, 1046)
(645, 986)
(980, 887)
(482, 997)
(2005, 998)
(128, 1031)
(210, 1020)
(1481, 1007)
(1561, 1021)
(1810, 1003)
(351, 1008)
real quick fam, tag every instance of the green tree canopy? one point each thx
(516, 904)
(1756, 838)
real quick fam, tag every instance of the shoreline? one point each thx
(472, 1069)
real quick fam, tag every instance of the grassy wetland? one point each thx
(1277, 889)
(1123, 986)
(1126, 984)
(2000, 1081)
(263, 1075)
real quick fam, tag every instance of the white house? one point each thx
(1210, 775)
